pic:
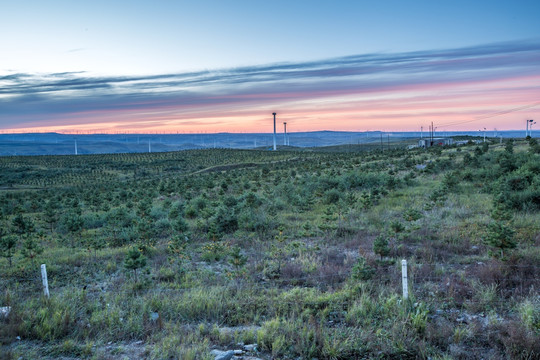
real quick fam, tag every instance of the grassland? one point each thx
(170, 255)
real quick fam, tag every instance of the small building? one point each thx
(425, 143)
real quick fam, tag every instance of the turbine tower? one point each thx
(527, 133)
(284, 133)
(274, 131)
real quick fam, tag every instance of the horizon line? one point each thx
(6, 132)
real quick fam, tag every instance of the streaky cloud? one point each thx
(25, 97)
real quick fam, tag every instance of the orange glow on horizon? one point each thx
(399, 108)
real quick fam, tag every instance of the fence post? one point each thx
(44, 280)
(404, 279)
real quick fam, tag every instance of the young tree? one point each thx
(50, 213)
(213, 232)
(22, 226)
(25, 229)
(31, 248)
(500, 236)
(380, 246)
(361, 270)
(180, 225)
(94, 242)
(7, 246)
(134, 260)
(74, 224)
(279, 248)
(177, 248)
(145, 231)
(509, 147)
(237, 258)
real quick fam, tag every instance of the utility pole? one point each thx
(285, 133)
(432, 133)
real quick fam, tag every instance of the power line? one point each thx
(498, 113)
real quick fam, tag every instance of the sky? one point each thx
(226, 66)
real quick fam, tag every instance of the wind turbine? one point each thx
(274, 131)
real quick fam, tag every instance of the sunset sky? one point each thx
(225, 66)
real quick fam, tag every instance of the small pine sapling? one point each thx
(95, 243)
(31, 248)
(279, 249)
(380, 246)
(176, 250)
(500, 236)
(7, 246)
(213, 233)
(361, 270)
(134, 260)
(237, 258)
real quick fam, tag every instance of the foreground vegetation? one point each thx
(169, 255)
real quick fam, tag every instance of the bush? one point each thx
(500, 236)
(332, 196)
(226, 220)
(362, 271)
(380, 246)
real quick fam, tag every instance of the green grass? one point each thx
(301, 219)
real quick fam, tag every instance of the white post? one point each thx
(404, 279)
(44, 280)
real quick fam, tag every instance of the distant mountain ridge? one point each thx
(67, 144)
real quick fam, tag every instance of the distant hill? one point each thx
(65, 144)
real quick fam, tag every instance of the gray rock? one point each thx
(250, 347)
(4, 311)
(222, 355)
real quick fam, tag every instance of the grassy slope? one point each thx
(305, 224)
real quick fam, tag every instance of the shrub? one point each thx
(226, 220)
(7, 246)
(380, 246)
(332, 196)
(412, 215)
(134, 260)
(361, 270)
(500, 236)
